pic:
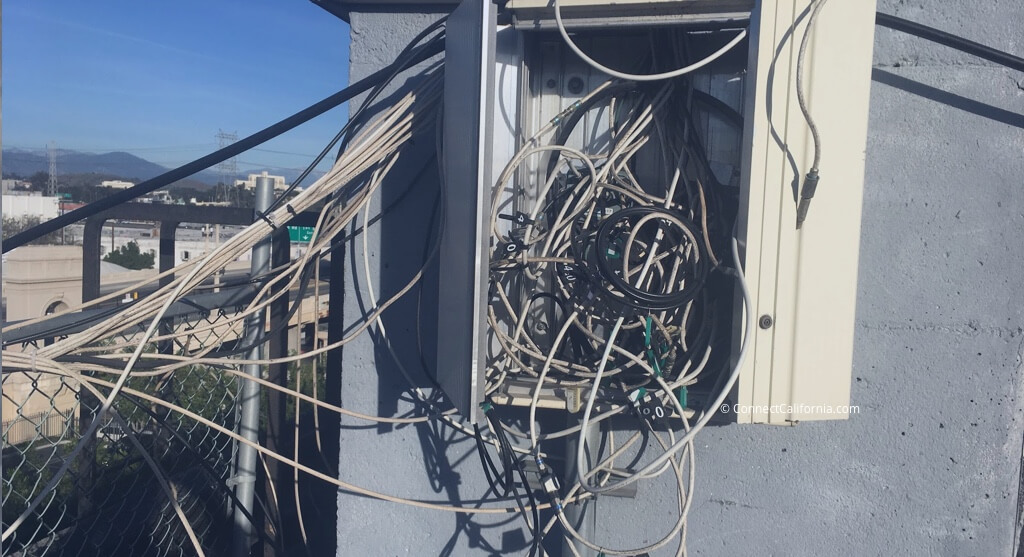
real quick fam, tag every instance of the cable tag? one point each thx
(646, 406)
(518, 217)
(508, 249)
(568, 272)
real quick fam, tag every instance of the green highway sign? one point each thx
(301, 234)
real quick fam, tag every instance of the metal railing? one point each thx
(45, 424)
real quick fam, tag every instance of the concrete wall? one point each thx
(930, 466)
(40, 276)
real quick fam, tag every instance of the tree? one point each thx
(39, 180)
(17, 225)
(131, 257)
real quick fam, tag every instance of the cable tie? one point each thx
(239, 479)
(267, 219)
(290, 209)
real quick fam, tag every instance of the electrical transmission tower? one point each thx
(51, 183)
(228, 169)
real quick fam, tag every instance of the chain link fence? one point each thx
(109, 502)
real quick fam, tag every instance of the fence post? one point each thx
(279, 435)
(249, 399)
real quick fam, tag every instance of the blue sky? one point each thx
(159, 79)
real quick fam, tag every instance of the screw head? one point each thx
(576, 85)
(551, 83)
(765, 321)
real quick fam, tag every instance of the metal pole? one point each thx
(249, 398)
(88, 403)
(330, 423)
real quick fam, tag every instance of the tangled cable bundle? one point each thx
(605, 280)
(599, 285)
(596, 245)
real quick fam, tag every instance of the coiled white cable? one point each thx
(641, 77)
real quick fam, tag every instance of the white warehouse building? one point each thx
(18, 206)
(116, 184)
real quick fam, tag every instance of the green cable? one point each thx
(650, 352)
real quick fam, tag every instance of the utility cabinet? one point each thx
(509, 74)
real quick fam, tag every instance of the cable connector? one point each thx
(548, 481)
(806, 194)
(562, 115)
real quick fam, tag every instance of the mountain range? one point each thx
(24, 163)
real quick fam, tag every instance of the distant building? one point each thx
(10, 186)
(250, 182)
(23, 193)
(159, 196)
(19, 206)
(66, 206)
(116, 184)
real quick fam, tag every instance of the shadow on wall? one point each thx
(405, 225)
(956, 101)
(989, 112)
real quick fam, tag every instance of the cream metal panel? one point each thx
(806, 280)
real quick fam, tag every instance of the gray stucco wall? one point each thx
(931, 464)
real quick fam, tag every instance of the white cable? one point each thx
(709, 411)
(581, 448)
(158, 473)
(394, 128)
(540, 380)
(801, 95)
(641, 77)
